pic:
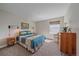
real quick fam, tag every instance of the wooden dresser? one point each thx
(68, 43)
(11, 40)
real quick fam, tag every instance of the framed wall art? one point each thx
(24, 25)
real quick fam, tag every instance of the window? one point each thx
(54, 28)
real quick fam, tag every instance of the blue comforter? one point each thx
(37, 41)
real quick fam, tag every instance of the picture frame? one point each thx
(24, 25)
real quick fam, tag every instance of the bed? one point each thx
(31, 42)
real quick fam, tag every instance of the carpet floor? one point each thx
(15, 50)
(49, 48)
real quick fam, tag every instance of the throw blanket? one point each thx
(37, 41)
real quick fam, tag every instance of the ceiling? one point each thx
(36, 11)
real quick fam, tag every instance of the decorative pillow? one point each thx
(29, 32)
(22, 33)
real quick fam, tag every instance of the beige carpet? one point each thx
(49, 48)
(15, 50)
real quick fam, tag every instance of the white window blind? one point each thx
(54, 28)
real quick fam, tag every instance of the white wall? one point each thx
(73, 16)
(42, 27)
(6, 19)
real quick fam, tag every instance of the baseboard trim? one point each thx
(3, 46)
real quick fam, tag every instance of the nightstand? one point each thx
(11, 41)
